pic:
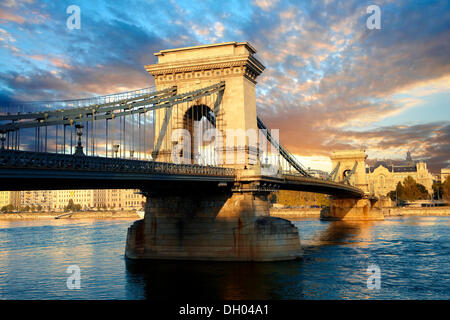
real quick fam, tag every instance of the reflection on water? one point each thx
(345, 232)
(245, 280)
(209, 280)
(412, 253)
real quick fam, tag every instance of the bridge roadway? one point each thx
(24, 170)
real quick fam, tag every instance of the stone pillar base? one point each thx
(257, 239)
(352, 209)
(228, 228)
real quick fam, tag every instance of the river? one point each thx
(412, 254)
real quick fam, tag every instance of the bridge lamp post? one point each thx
(116, 149)
(3, 138)
(131, 153)
(79, 147)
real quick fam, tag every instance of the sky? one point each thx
(330, 82)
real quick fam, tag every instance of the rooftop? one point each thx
(234, 43)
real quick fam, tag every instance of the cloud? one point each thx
(336, 75)
(219, 29)
(5, 36)
(6, 16)
(330, 83)
(265, 4)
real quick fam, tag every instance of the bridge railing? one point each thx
(314, 180)
(40, 160)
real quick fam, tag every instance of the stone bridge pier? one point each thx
(353, 209)
(367, 208)
(229, 223)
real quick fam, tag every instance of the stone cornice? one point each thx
(241, 65)
(349, 157)
(206, 64)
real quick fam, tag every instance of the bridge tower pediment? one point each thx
(198, 67)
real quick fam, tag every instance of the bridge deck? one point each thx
(23, 170)
(307, 184)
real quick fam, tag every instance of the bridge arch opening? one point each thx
(201, 123)
(345, 173)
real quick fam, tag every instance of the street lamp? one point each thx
(131, 153)
(3, 138)
(79, 147)
(116, 149)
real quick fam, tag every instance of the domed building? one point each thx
(383, 176)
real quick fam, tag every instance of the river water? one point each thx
(412, 254)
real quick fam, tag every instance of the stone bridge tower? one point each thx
(347, 160)
(198, 67)
(352, 209)
(219, 221)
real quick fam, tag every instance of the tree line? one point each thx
(410, 190)
(441, 190)
(291, 198)
(406, 190)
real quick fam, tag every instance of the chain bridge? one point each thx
(193, 144)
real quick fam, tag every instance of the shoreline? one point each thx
(285, 213)
(296, 213)
(422, 211)
(65, 215)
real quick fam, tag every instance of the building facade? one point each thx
(57, 200)
(384, 176)
(445, 172)
(40, 198)
(5, 198)
(61, 198)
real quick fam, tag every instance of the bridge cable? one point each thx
(284, 152)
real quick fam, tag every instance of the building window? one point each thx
(382, 181)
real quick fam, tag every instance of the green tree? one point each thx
(70, 206)
(397, 194)
(8, 208)
(423, 192)
(392, 195)
(300, 198)
(273, 198)
(437, 190)
(446, 188)
(409, 190)
(322, 200)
